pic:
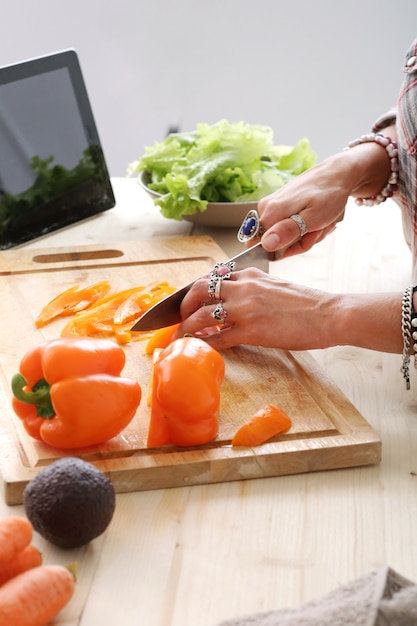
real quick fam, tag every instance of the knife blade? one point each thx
(167, 311)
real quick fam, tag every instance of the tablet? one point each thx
(52, 167)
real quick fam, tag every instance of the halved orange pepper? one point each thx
(70, 394)
(71, 301)
(187, 376)
(265, 424)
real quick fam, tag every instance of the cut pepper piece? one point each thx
(265, 424)
(71, 301)
(161, 338)
(114, 315)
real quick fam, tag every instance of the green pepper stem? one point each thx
(39, 396)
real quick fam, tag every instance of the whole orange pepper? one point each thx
(187, 376)
(69, 392)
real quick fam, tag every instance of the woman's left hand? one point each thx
(260, 310)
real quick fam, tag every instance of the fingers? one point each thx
(308, 241)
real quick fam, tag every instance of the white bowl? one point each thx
(218, 214)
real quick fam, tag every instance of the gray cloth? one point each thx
(381, 598)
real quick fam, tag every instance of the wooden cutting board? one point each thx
(327, 432)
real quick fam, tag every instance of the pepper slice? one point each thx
(265, 424)
(161, 338)
(71, 301)
(114, 315)
(187, 376)
(70, 394)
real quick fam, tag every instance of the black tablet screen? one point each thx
(52, 167)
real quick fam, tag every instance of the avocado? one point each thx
(70, 502)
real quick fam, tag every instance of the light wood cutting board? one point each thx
(327, 432)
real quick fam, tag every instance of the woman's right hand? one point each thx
(319, 195)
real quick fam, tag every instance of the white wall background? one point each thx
(324, 69)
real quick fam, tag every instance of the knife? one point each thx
(167, 311)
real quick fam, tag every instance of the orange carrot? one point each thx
(15, 534)
(71, 301)
(265, 424)
(161, 338)
(36, 596)
(26, 559)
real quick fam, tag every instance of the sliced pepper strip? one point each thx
(70, 394)
(71, 301)
(265, 424)
(114, 315)
(161, 338)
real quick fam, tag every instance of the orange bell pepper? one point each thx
(187, 376)
(265, 424)
(70, 394)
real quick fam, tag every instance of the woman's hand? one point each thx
(319, 195)
(261, 310)
(264, 310)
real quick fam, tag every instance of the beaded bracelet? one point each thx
(392, 150)
(406, 316)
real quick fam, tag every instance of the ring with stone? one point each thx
(251, 227)
(219, 313)
(300, 223)
(223, 270)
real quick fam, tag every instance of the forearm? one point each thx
(370, 321)
(370, 166)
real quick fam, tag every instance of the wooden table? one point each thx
(193, 556)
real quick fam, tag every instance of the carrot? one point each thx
(265, 424)
(26, 559)
(36, 596)
(15, 534)
(161, 338)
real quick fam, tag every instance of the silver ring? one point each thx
(217, 289)
(300, 223)
(251, 227)
(212, 283)
(214, 286)
(219, 313)
(221, 271)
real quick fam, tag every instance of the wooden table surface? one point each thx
(192, 556)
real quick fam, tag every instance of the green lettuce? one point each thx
(224, 162)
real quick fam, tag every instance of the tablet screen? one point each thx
(52, 167)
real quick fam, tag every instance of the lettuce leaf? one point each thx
(224, 162)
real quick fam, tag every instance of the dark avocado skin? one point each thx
(69, 502)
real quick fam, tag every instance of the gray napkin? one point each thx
(381, 598)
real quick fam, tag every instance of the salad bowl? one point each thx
(234, 162)
(216, 214)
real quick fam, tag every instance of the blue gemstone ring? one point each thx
(251, 227)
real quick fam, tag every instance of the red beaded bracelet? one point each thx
(392, 150)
